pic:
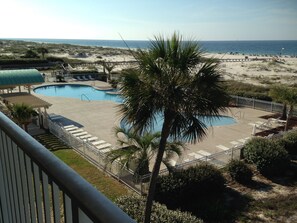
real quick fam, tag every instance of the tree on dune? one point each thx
(109, 67)
(172, 78)
(43, 51)
(30, 54)
(288, 96)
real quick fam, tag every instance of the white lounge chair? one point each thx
(68, 126)
(93, 138)
(80, 134)
(105, 150)
(103, 146)
(90, 77)
(204, 153)
(76, 131)
(85, 136)
(223, 147)
(71, 128)
(98, 142)
(198, 156)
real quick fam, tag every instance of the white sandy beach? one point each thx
(264, 71)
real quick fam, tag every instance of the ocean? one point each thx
(269, 47)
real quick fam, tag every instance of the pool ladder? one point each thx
(82, 97)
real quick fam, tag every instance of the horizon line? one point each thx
(91, 39)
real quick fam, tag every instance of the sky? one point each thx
(143, 19)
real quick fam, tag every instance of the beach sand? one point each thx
(266, 70)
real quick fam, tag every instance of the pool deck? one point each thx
(98, 118)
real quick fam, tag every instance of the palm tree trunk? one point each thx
(284, 113)
(156, 169)
(289, 117)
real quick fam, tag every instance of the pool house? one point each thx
(12, 82)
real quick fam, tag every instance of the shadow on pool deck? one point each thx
(63, 121)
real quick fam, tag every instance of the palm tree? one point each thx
(43, 51)
(138, 150)
(109, 67)
(22, 114)
(172, 78)
(286, 95)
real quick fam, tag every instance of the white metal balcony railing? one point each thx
(35, 186)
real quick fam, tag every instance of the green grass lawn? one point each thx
(110, 187)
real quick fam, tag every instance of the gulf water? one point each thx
(263, 47)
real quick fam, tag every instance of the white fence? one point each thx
(120, 172)
(259, 104)
(99, 159)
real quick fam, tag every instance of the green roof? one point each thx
(20, 77)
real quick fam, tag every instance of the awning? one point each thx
(25, 77)
(22, 97)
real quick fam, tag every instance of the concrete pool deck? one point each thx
(98, 118)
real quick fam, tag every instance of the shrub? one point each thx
(247, 90)
(134, 207)
(114, 83)
(30, 54)
(290, 142)
(269, 156)
(21, 61)
(189, 185)
(55, 59)
(239, 171)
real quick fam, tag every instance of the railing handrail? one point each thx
(81, 97)
(91, 201)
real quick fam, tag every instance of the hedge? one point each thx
(134, 206)
(194, 183)
(239, 171)
(269, 156)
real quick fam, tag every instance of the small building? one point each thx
(10, 79)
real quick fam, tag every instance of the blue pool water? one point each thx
(77, 91)
(209, 121)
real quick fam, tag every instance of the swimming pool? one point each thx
(87, 92)
(209, 121)
(77, 91)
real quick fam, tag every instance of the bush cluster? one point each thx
(55, 59)
(21, 61)
(269, 156)
(188, 185)
(247, 90)
(289, 141)
(134, 207)
(239, 171)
